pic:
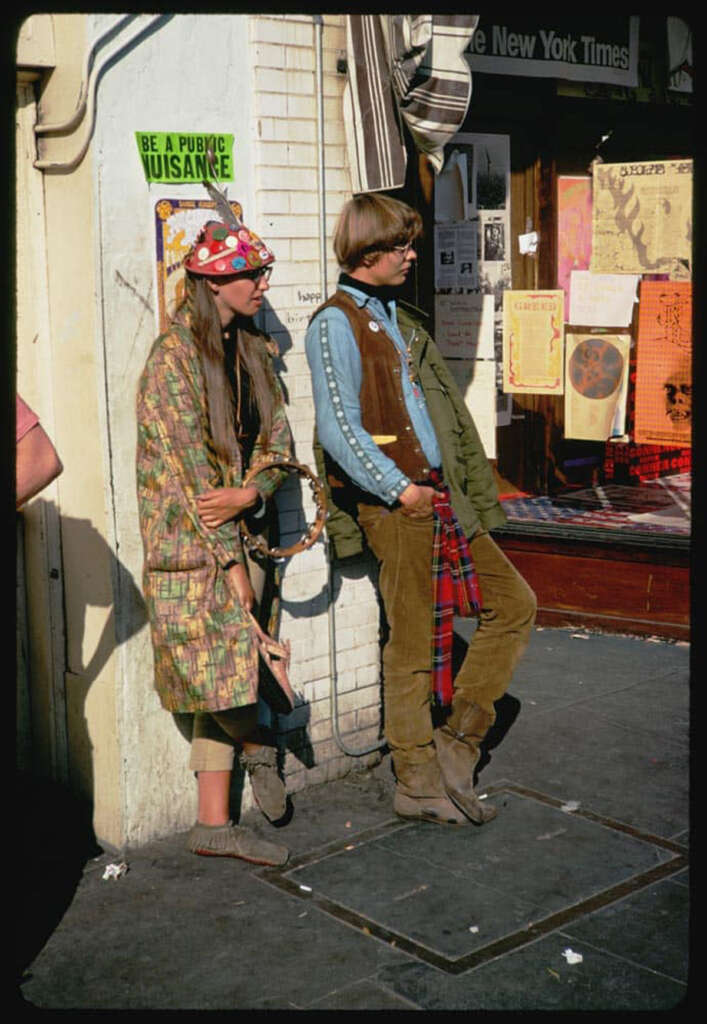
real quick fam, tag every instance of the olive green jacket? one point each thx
(467, 471)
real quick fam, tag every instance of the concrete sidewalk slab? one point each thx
(399, 915)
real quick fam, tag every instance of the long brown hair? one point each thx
(205, 324)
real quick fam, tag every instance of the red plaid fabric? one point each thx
(455, 589)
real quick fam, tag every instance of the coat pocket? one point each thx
(181, 602)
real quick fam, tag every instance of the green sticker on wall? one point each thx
(181, 156)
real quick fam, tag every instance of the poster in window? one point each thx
(664, 364)
(602, 300)
(533, 342)
(596, 383)
(464, 325)
(574, 229)
(642, 218)
(476, 381)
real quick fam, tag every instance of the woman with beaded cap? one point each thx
(209, 406)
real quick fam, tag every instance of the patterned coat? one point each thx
(205, 657)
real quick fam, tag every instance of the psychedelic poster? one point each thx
(574, 230)
(664, 364)
(177, 222)
(642, 218)
(533, 342)
(596, 383)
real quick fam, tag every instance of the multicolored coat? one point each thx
(205, 656)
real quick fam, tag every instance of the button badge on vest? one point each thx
(373, 326)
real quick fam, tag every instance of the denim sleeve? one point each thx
(335, 365)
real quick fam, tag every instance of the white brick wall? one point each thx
(287, 215)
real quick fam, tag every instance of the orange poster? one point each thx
(664, 364)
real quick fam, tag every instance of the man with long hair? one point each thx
(407, 470)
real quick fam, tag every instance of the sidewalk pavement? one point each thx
(576, 897)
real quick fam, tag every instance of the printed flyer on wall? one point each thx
(533, 342)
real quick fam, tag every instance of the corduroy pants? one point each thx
(403, 548)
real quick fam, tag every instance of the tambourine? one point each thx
(312, 532)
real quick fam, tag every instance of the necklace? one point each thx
(412, 374)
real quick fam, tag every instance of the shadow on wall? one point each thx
(54, 824)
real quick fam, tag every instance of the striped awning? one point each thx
(403, 67)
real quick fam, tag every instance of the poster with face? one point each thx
(664, 364)
(596, 380)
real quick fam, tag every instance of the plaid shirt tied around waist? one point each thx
(455, 587)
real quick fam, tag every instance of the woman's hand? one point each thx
(216, 507)
(417, 501)
(240, 586)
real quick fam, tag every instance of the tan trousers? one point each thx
(403, 547)
(214, 734)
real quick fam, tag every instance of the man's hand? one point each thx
(240, 586)
(216, 507)
(417, 501)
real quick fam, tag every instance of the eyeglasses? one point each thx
(255, 275)
(402, 250)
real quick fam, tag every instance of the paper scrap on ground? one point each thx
(571, 805)
(571, 957)
(114, 870)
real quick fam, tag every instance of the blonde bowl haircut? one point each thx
(370, 224)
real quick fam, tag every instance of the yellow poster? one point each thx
(642, 218)
(664, 364)
(532, 342)
(596, 381)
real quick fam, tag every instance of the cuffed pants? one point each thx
(403, 547)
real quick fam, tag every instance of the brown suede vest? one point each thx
(384, 414)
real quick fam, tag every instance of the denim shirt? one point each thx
(335, 364)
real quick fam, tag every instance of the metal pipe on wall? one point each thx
(86, 106)
(359, 752)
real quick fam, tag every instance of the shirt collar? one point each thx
(362, 294)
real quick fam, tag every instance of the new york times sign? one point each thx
(605, 49)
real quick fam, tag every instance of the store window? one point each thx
(559, 272)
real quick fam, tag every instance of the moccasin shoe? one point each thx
(268, 788)
(437, 809)
(231, 840)
(457, 760)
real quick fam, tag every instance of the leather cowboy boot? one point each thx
(419, 793)
(458, 753)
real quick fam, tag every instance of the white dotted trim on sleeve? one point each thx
(337, 404)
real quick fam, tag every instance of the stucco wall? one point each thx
(264, 93)
(253, 76)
